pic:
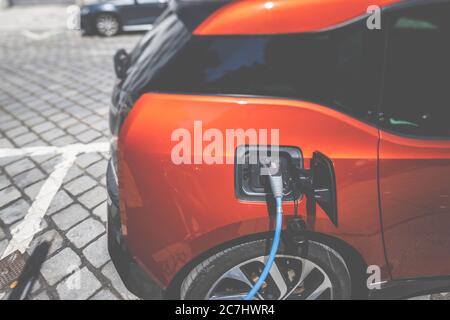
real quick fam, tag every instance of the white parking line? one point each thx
(24, 232)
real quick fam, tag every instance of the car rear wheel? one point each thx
(318, 273)
(107, 25)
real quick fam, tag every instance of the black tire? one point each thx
(107, 25)
(201, 279)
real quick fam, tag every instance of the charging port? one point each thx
(250, 185)
(318, 183)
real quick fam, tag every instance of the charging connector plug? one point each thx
(272, 169)
(276, 184)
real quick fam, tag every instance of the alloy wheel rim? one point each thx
(290, 278)
(107, 25)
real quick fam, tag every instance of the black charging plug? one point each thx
(272, 169)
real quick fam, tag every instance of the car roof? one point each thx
(194, 12)
(284, 16)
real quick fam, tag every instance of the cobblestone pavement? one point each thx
(55, 90)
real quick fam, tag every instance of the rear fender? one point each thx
(172, 213)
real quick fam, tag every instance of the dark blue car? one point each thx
(110, 17)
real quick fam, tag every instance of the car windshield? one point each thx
(155, 50)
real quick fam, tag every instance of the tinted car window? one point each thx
(417, 83)
(168, 37)
(339, 68)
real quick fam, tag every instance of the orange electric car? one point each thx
(354, 95)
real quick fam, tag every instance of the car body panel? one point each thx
(173, 213)
(415, 203)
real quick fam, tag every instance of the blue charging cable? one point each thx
(276, 183)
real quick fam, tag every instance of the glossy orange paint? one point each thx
(284, 16)
(173, 213)
(415, 203)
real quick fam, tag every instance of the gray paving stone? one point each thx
(43, 158)
(79, 286)
(93, 119)
(36, 143)
(97, 252)
(77, 128)
(9, 125)
(49, 165)
(48, 112)
(110, 272)
(67, 123)
(34, 121)
(59, 117)
(19, 167)
(26, 178)
(83, 113)
(60, 265)
(102, 126)
(51, 237)
(67, 218)
(64, 141)
(86, 231)
(5, 118)
(52, 134)
(25, 114)
(98, 169)
(88, 159)
(4, 143)
(16, 131)
(93, 197)
(101, 211)
(102, 139)
(75, 110)
(8, 195)
(88, 136)
(80, 185)
(25, 138)
(14, 212)
(104, 295)
(60, 201)
(74, 172)
(4, 181)
(33, 190)
(42, 127)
